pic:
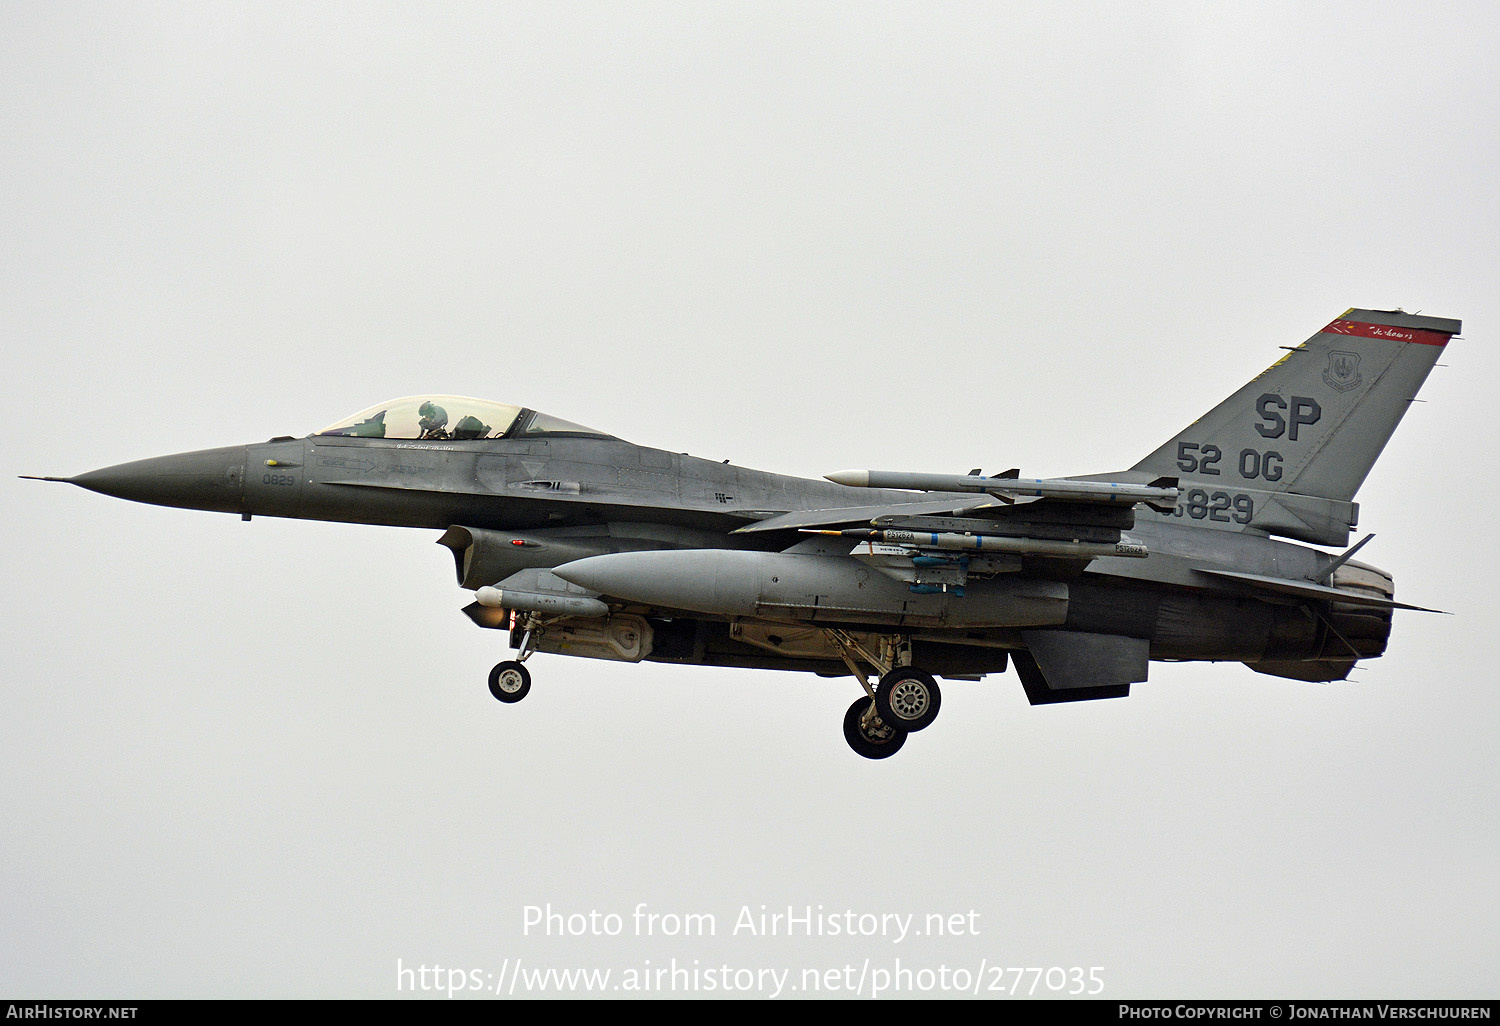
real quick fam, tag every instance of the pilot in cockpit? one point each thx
(432, 420)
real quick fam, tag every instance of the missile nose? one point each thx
(211, 479)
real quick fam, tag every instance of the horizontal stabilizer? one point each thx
(1315, 671)
(1309, 590)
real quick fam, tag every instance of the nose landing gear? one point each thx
(510, 681)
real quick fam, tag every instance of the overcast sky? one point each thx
(260, 759)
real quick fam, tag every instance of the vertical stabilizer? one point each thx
(1288, 451)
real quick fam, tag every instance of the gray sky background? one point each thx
(259, 759)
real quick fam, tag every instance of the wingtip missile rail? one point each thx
(1159, 494)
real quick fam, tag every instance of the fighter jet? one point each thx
(576, 542)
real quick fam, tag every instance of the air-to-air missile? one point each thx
(1160, 494)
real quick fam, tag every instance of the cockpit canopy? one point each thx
(452, 418)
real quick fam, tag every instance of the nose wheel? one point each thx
(510, 681)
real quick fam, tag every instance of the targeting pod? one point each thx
(541, 602)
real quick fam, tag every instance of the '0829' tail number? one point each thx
(1224, 507)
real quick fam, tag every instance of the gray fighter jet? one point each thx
(579, 543)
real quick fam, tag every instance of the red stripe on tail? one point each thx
(1364, 330)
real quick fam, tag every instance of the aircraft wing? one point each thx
(1001, 498)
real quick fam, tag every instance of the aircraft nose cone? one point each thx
(211, 479)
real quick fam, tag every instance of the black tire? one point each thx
(878, 740)
(509, 681)
(909, 698)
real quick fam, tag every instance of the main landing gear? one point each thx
(868, 734)
(909, 698)
(904, 701)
